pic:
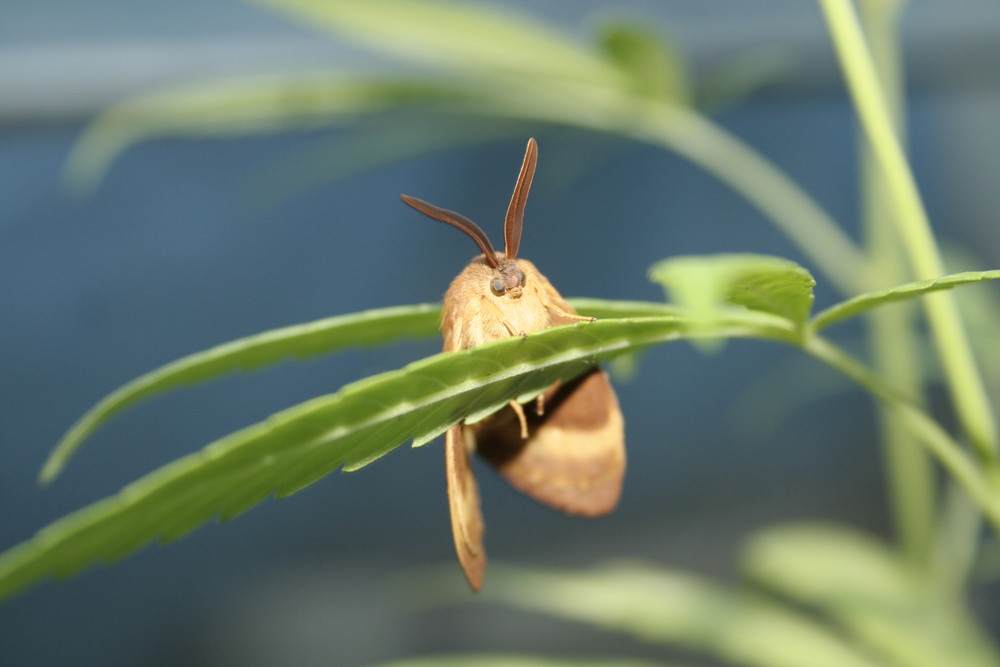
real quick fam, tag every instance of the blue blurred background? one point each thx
(177, 250)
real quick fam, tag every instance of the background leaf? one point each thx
(455, 35)
(654, 68)
(868, 590)
(516, 660)
(235, 107)
(665, 606)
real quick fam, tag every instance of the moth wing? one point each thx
(574, 457)
(463, 503)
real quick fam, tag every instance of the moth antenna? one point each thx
(456, 220)
(515, 210)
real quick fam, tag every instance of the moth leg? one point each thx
(503, 320)
(551, 300)
(519, 411)
(540, 405)
(554, 302)
(570, 316)
(510, 329)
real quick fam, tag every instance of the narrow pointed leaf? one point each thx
(349, 429)
(374, 141)
(676, 608)
(864, 587)
(455, 35)
(704, 285)
(865, 302)
(372, 327)
(237, 107)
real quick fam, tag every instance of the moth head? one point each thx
(507, 278)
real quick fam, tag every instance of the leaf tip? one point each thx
(51, 469)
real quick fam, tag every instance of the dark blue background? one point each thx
(176, 252)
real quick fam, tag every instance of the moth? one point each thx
(568, 449)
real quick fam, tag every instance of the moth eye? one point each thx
(520, 277)
(497, 286)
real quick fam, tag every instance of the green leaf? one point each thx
(372, 327)
(620, 308)
(676, 608)
(865, 302)
(241, 106)
(357, 425)
(501, 49)
(868, 590)
(465, 36)
(518, 660)
(704, 285)
(350, 429)
(654, 67)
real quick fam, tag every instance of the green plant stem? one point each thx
(893, 341)
(935, 439)
(910, 480)
(964, 381)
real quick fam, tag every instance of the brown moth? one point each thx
(567, 452)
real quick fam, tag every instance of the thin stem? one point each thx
(893, 344)
(964, 381)
(935, 439)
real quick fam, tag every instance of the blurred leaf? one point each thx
(866, 588)
(370, 328)
(373, 142)
(664, 606)
(236, 107)
(654, 68)
(739, 77)
(623, 369)
(517, 660)
(456, 35)
(865, 302)
(705, 285)
(502, 65)
(511, 49)
(357, 425)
